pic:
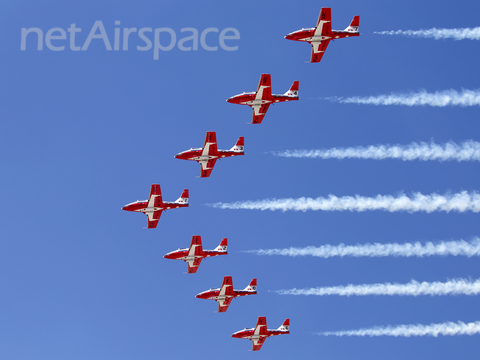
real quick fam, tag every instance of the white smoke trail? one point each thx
(467, 151)
(444, 248)
(447, 328)
(439, 98)
(413, 288)
(437, 34)
(459, 202)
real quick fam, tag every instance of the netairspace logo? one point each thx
(164, 38)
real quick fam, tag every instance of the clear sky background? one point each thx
(85, 132)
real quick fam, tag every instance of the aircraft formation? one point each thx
(260, 100)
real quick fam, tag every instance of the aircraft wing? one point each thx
(210, 144)
(264, 89)
(260, 329)
(223, 304)
(195, 246)
(206, 167)
(155, 197)
(193, 265)
(259, 113)
(318, 49)
(257, 343)
(153, 218)
(324, 22)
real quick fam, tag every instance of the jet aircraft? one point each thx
(260, 100)
(154, 206)
(260, 333)
(226, 293)
(209, 154)
(320, 36)
(193, 256)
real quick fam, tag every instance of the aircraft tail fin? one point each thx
(239, 145)
(285, 327)
(223, 246)
(353, 27)
(293, 91)
(252, 286)
(183, 199)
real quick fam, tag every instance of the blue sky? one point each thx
(86, 132)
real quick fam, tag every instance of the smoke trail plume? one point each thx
(439, 98)
(459, 202)
(467, 151)
(448, 328)
(437, 34)
(413, 288)
(417, 249)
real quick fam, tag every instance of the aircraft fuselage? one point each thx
(182, 254)
(196, 155)
(309, 35)
(142, 206)
(249, 99)
(214, 294)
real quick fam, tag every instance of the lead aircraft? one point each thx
(209, 154)
(226, 293)
(320, 36)
(193, 256)
(154, 206)
(262, 98)
(260, 333)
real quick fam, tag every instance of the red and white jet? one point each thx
(209, 154)
(154, 206)
(320, 36)
(262, 98)
(260, 333)
(226, 293)
(193, 256)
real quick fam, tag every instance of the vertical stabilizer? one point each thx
(239, 145)
(183, 199)
(252, 286)
(293, 91)
(353, 27)
(285, 327)
(223, 246)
